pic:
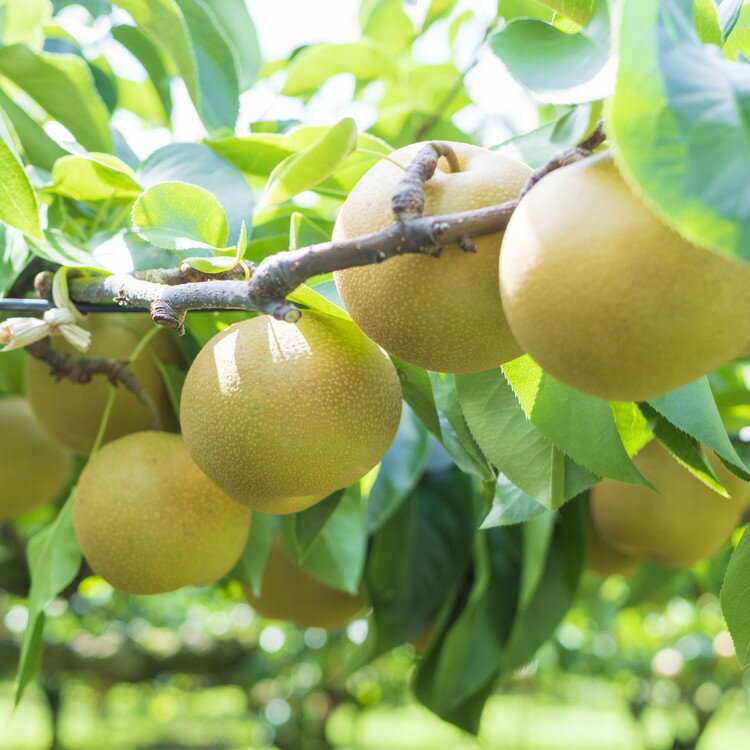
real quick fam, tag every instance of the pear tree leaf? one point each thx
(180, 216)
(249, 568)
(312, 165)
(706, 22)
(18, 206)
(94, 177)
(386, 22)
(235, 22)
(565, 68)
(300, 530)
(580, 425)
(577, 10)
(219, 263)
(729, 12)
(511, 505)
(679, 119)
(14, 255)
(54, 559)
(734, 599)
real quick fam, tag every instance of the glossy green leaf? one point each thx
(417, 557)
(249, 568)
(511, 505)
(61, 248)
(734, 600)
(197, 164)
(218, 82)
(236, 23)
(565, 68)
(400, 470)
(510, 9)
(706, 21)
(734, 16)
(306, 297)
(693, 410)
(312, 165)
(417, 390)
(300, 530)
(62, 85)
(313, 66)
(14, 254)
(94, 177)
(18, 206)
(219, 263)
(632, 425)
(54, 559)
(581, 426)
(683, 141)
(179, 216)
(577, 10)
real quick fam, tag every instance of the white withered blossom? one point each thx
(16, 333)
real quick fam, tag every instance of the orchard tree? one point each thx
(386, 373)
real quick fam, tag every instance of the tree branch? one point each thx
(81, 370)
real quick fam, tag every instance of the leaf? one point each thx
(679, 118)
(236, 23)
(58, 247)
(386, 22)
(706, 22)
(735, 597)
(147, 53)
(94, 177)
(307, 297)
(62, 85)
(693, 410)
(510, 505)
(565, 68)
(400, 470)
(337, 555)
(577, 10)
(632, 425)
(513, 445)
(179, 216)
(14, 254)
(38, 148)
(300, 530)
(416, 558)
(314, 65)
(218, 104)
(249, 568)
(729, 12)
(312, 165)
(24, 20)
(54, 559)
(163, 23)
(581, 426)
(18, 206)
(417, 390)
(197, 164)
(217, 264)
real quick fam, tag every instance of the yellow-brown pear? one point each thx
(609, 299)
(149, 521)
(682, 522)
(273, 410)
(290, 593)
(443, 313)
(72, 412)
(34, 468)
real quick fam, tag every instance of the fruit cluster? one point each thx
(276, 416)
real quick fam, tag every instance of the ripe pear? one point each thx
(72, 412)
(682, 522)
(609, 299)
(149, 521)
(443, 313)
(290, 593)
(34, 468)
(273, 410)
(604, 560)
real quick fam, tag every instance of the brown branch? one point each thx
(81, 370)
(170, 299)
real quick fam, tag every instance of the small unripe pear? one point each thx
(149, 521)
(34, 468)
(280, 415)
(290, 593)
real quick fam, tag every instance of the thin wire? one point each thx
(36, 306)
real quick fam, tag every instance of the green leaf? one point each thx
(148, 54)
(18, 206)
(734, 601)
(693, 410)
(54, 559)
(300, 530)
(510, 505)
(582, 426)
(163, 23)
(236, 23)
(312, 165)
(218, 105)
(249, 568)
(24, 20)
(337, 555)
(217, 264)
(565, 68)
(733, 14)
(683, 141)
(577, 10)
(179, 216)
(416, 558)
(436, 10)
(417, 390)
(510, 9)
(63, 86)
(38, 148)
(14, 255)
(632, 425)
(386, 22)
(513, 445)
(706, 21)
(399, 471)
(61, 248)
(307, 297)
(197, 164)
(94, 177)
(314, 65)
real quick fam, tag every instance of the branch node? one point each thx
(164, 313)
(43, 285)
(467, 245)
